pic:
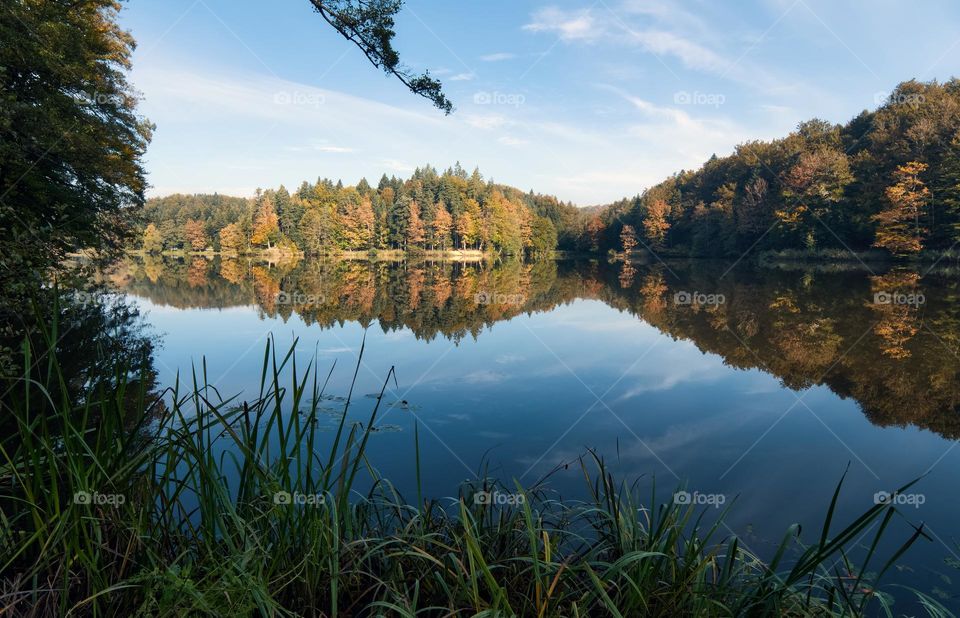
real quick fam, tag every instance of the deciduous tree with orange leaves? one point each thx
(266, 226)
(655, 226)
(898, 226)
(195, 234)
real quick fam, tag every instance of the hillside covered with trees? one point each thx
(429, 211)
(888, 180)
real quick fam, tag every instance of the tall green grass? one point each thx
(204, 528)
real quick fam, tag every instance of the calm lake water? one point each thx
(757, 384)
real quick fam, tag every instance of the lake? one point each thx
(748, 386)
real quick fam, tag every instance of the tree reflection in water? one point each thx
(888, 340)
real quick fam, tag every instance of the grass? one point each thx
(204, 528)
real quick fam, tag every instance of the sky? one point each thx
(591, 101)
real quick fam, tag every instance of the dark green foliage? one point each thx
(71, 141)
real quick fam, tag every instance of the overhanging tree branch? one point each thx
(368, 24)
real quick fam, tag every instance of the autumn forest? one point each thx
(888, 181)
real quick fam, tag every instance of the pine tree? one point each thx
(289, 212)
(398, 219)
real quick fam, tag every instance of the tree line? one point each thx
(430, 211)
(888, 180)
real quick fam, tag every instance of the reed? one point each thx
(126, 502)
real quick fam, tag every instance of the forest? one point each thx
(887, 181)
(429, 211)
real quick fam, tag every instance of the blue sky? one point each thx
(588, 100)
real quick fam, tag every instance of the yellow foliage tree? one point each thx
(266, 225)
(655, 225)
(415, 230)
(152, 239)
(195, 234)
(357, 225)
(231, 238)
(898, 226)
(441, 225)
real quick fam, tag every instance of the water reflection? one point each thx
(888, 340)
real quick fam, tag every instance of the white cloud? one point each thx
(484, 377)
(397, 166)
(486, 122)
(691, 54)
(320, 148)
(509, 140)
(324, 132)
(577, 25)
(666, 31)
(463, 77)
(498, 57)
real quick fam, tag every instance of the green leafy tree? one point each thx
(71, 141)
(543, 236)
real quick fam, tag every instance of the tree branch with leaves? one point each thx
(368, 24)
